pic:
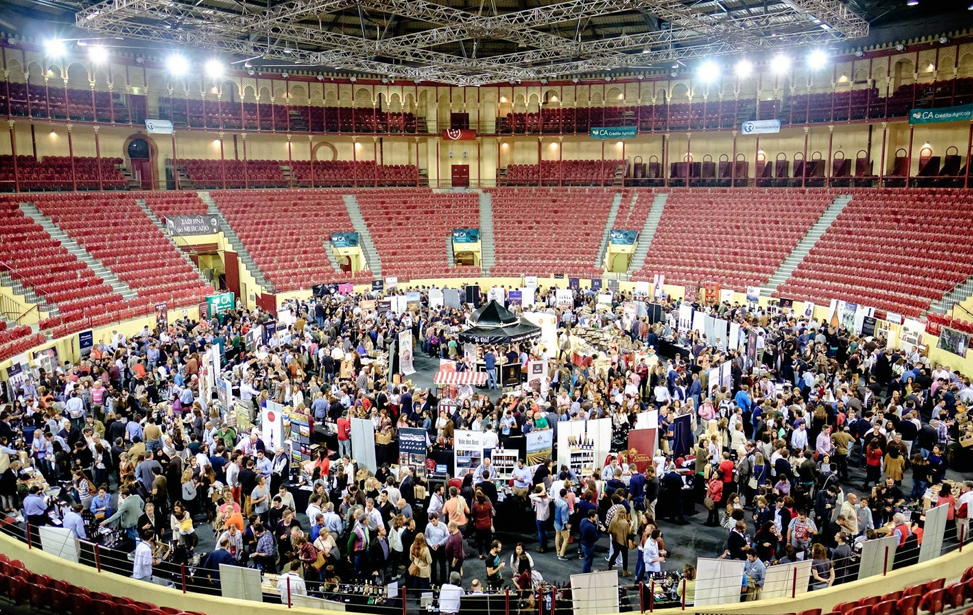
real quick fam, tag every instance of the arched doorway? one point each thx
(139, 153)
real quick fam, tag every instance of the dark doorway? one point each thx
(140, 155)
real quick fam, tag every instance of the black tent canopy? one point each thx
(494, 324)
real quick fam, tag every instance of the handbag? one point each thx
(413, 570)
(709, 504)
(318, 563)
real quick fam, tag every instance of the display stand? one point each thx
(582, 457)
(504, 461)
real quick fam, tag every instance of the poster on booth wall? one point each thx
(868, 326)
(537, 377)
(391, 283)
(565, 298)
(540, 446)
(469, 353)
(548, 324)
(378, 286)
(224, 392)
(451, 297)
(726, 296)
(467, 451)
(953, 341)
(219, 304)
(252, 338)
(515, 298)
(412, 302)
(435, 298)
(346, 289)
(574, 284)
(496, 294)
(912, 331)
(753, 294)
(530, 281)
(685, 317)
(297, 430)
(641, 447)
(269, 332)
(642, 289)
(161, 316)
(272, 426)
(209, 371)
(405, 353)
(596, 284)
(413, 444)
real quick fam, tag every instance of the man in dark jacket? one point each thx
(590, 533)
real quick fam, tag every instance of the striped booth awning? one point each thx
(451, 377)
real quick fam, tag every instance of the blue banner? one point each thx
(270, 330)
(466, 235)
(86, 342)
(595, 284)
(574, 283)
(614, 132)
(515, 297)
(344, 240)
(624, 238)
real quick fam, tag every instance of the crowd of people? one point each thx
(775, 457)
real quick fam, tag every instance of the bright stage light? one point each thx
(708, 71)
(743, 68)
(55, 48)
(817, 59)
(214, 69)
(780, 64)
(98, 54)
(177, 65)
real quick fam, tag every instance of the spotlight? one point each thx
(575, 80)
(817, 59)
(251, 72)
(743, 68)
(214, 69)
(899, 47)
(55, 48)
(285, 75)
(708, 71)
(912, 3)
(320, 77)
(353, 79)
(859, 53)
(177, 65)
(98, 54)
(943, 40)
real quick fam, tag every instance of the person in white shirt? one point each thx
(965, 499)
(290, 584)
(450, 594)
(142, 567)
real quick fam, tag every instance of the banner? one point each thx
(753, 293)
(435, 298)
(959, 113)
(200, 224)
(540, 446)
(224, 392)
(269, 332)
(641, 447)
(412, 449)
(497, 294)
(467, 451)
(530, 281)
(344, 240)
(953, 341)
(405, 353)
(614, 132)
(808, 310)
(868, 326)
(297, 429)
(625, 238)
(272, 426)
(218, 304)
(537, 377)
(565, 297)
(346, 289)
(391, 282)
(596, 284)
(466, 235)
(760, 127)
(378, 286)
(158, 127)
(161, 316)
(459, 134)
(659, 290)
(86, 341)
(515, 297)
(912, 331)
(574, 284)
(412, 301)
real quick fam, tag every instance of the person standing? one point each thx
(142, 566)
(619, 529)
(542, 510)
(590, 533)
(490, 363)
(562, 525)
(494, 566)
(756, 572)
(453, 548)
(436, 535)
(450, 594)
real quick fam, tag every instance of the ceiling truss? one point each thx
(292, 33)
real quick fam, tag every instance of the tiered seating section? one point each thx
(115, 230)
(285, 230)
(54, 173)
(40, 262)
(564, 173)
(410, 229)
(894, 250)
(937, 321)
(731, 236)
(16, 340)
(634, 209)
(271, 173)
(346, 173)
(543, 231)
(165, 204)
(283, 118)
(235, 173)
(57, 103)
